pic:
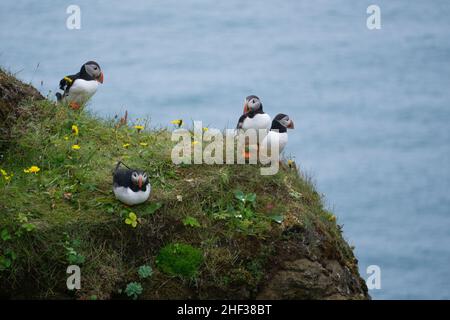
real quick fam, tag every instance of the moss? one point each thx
(178, 259)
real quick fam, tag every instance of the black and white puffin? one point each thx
(278, 132)
(254, 117)
(79, 88)
(131, 186)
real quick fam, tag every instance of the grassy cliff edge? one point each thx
(207, 232)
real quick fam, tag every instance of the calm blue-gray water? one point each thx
(371, 107)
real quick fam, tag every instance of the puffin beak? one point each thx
(140, 182)
(100, 79)
(246, 107)
(291, 124)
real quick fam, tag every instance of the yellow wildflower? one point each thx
(76, 147)
(66, 138)
(194, 143)
(132, 219)
(32, 169)
(139, 128)
(205, 129)
(126, 145)
(75, 129)
(290, 163)
(144, 144)
(178, 122)
(5, 176)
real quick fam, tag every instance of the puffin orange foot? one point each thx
(74, 106)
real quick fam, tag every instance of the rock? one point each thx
(306, 279)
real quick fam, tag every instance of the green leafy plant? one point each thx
(145, 271)
(133, 290)
(191, 222)
(20, 226)
(242, 216)
(131, 219)
(108, 205)
(245, 199)
(151, 209)
(23, 225)
(5, 235)
(71, 246)
(180, 259)
(245, 205)
(7, 259)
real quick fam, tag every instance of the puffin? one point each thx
(130, 186)
(254, 117)
(80, 87)
(278, 132)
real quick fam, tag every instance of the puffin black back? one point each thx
(122, 177)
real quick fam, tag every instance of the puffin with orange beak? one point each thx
(131, 186)
(278, 132)
(254, 117)
(80, 87)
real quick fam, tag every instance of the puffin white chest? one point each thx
(130, 197)
(82, 90)
(274, 137)
(259, 121)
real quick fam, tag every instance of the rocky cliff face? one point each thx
(281, 244)
(307, 279)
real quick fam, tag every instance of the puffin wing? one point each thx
(121, 177)
(241, 121)
(67, 82)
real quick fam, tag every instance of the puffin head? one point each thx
(93, 70)
(139, 178)
(252, 103)
(283, 121)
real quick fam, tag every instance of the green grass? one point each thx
(67, 213)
